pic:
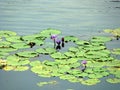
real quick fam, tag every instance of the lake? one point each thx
(81, 18)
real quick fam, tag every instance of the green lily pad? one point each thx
(47, 83)
(8, 68)
(78, 42)
(3, 54)
(35, 63)
(116, 51)
(73, 49)
(27, 54)
(7, 33)
(14, 39)
(46, 50)
(20, 45)
(95, 48)
(21, 68)
(115, 32)
(113, 80)
(90, 81)
(69, 54)
(71, 38)
(9, 49)
(4, 44)
(49, 31)
(58, 55)
(100, 39)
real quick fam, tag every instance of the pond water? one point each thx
(82, 18)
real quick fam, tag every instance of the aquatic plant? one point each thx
(114, 32)
(18, 54)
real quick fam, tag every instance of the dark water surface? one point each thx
(82, 18)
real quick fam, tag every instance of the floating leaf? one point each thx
(14, 39)
(35, 63)
(115, 32)
(90, 81)
(100, 39)
(21, 68)
(47, 83)
(27, 54)
(46, 50)
(7, 33)
(4, 44)
(116, 51)
(20, 45)
(49, 32)
(7, 49)
(82, 42)
(58, 55)
(69, 54)
(70, 38)
(113, 80)
(73, 49)
(8, 68)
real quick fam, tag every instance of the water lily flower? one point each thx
(54, 37)
(84, 62)
(58, 41)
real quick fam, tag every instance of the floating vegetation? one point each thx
(116, 51)
(40, 84)
(86, 62)
(113, 80)
(90, 81)
(114, 32)
(27, 54)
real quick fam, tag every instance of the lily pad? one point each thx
(14, 39)
(80, 42)
(73, 49)
(115, 32)
(7, 33)
(113, 80)
(4, 44)
(49, 31)
(8, 68)
(46, 50)
(69, 54)
(21, 68)
(58, 55)
(90, 81)
(70, 38)
(20, 45)
(35, 63)
(27, 54)
(9, 49)
(47, 83)
(100, 39)
(116, 51)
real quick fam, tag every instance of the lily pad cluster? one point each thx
(114, 32)
(19, 56)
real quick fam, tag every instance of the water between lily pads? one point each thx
(81, 18)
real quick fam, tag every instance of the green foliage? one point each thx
(65, 64)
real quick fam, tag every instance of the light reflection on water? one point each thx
(82, 18)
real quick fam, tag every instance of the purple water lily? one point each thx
(84, 62)
(58, 41)
(54, 37)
